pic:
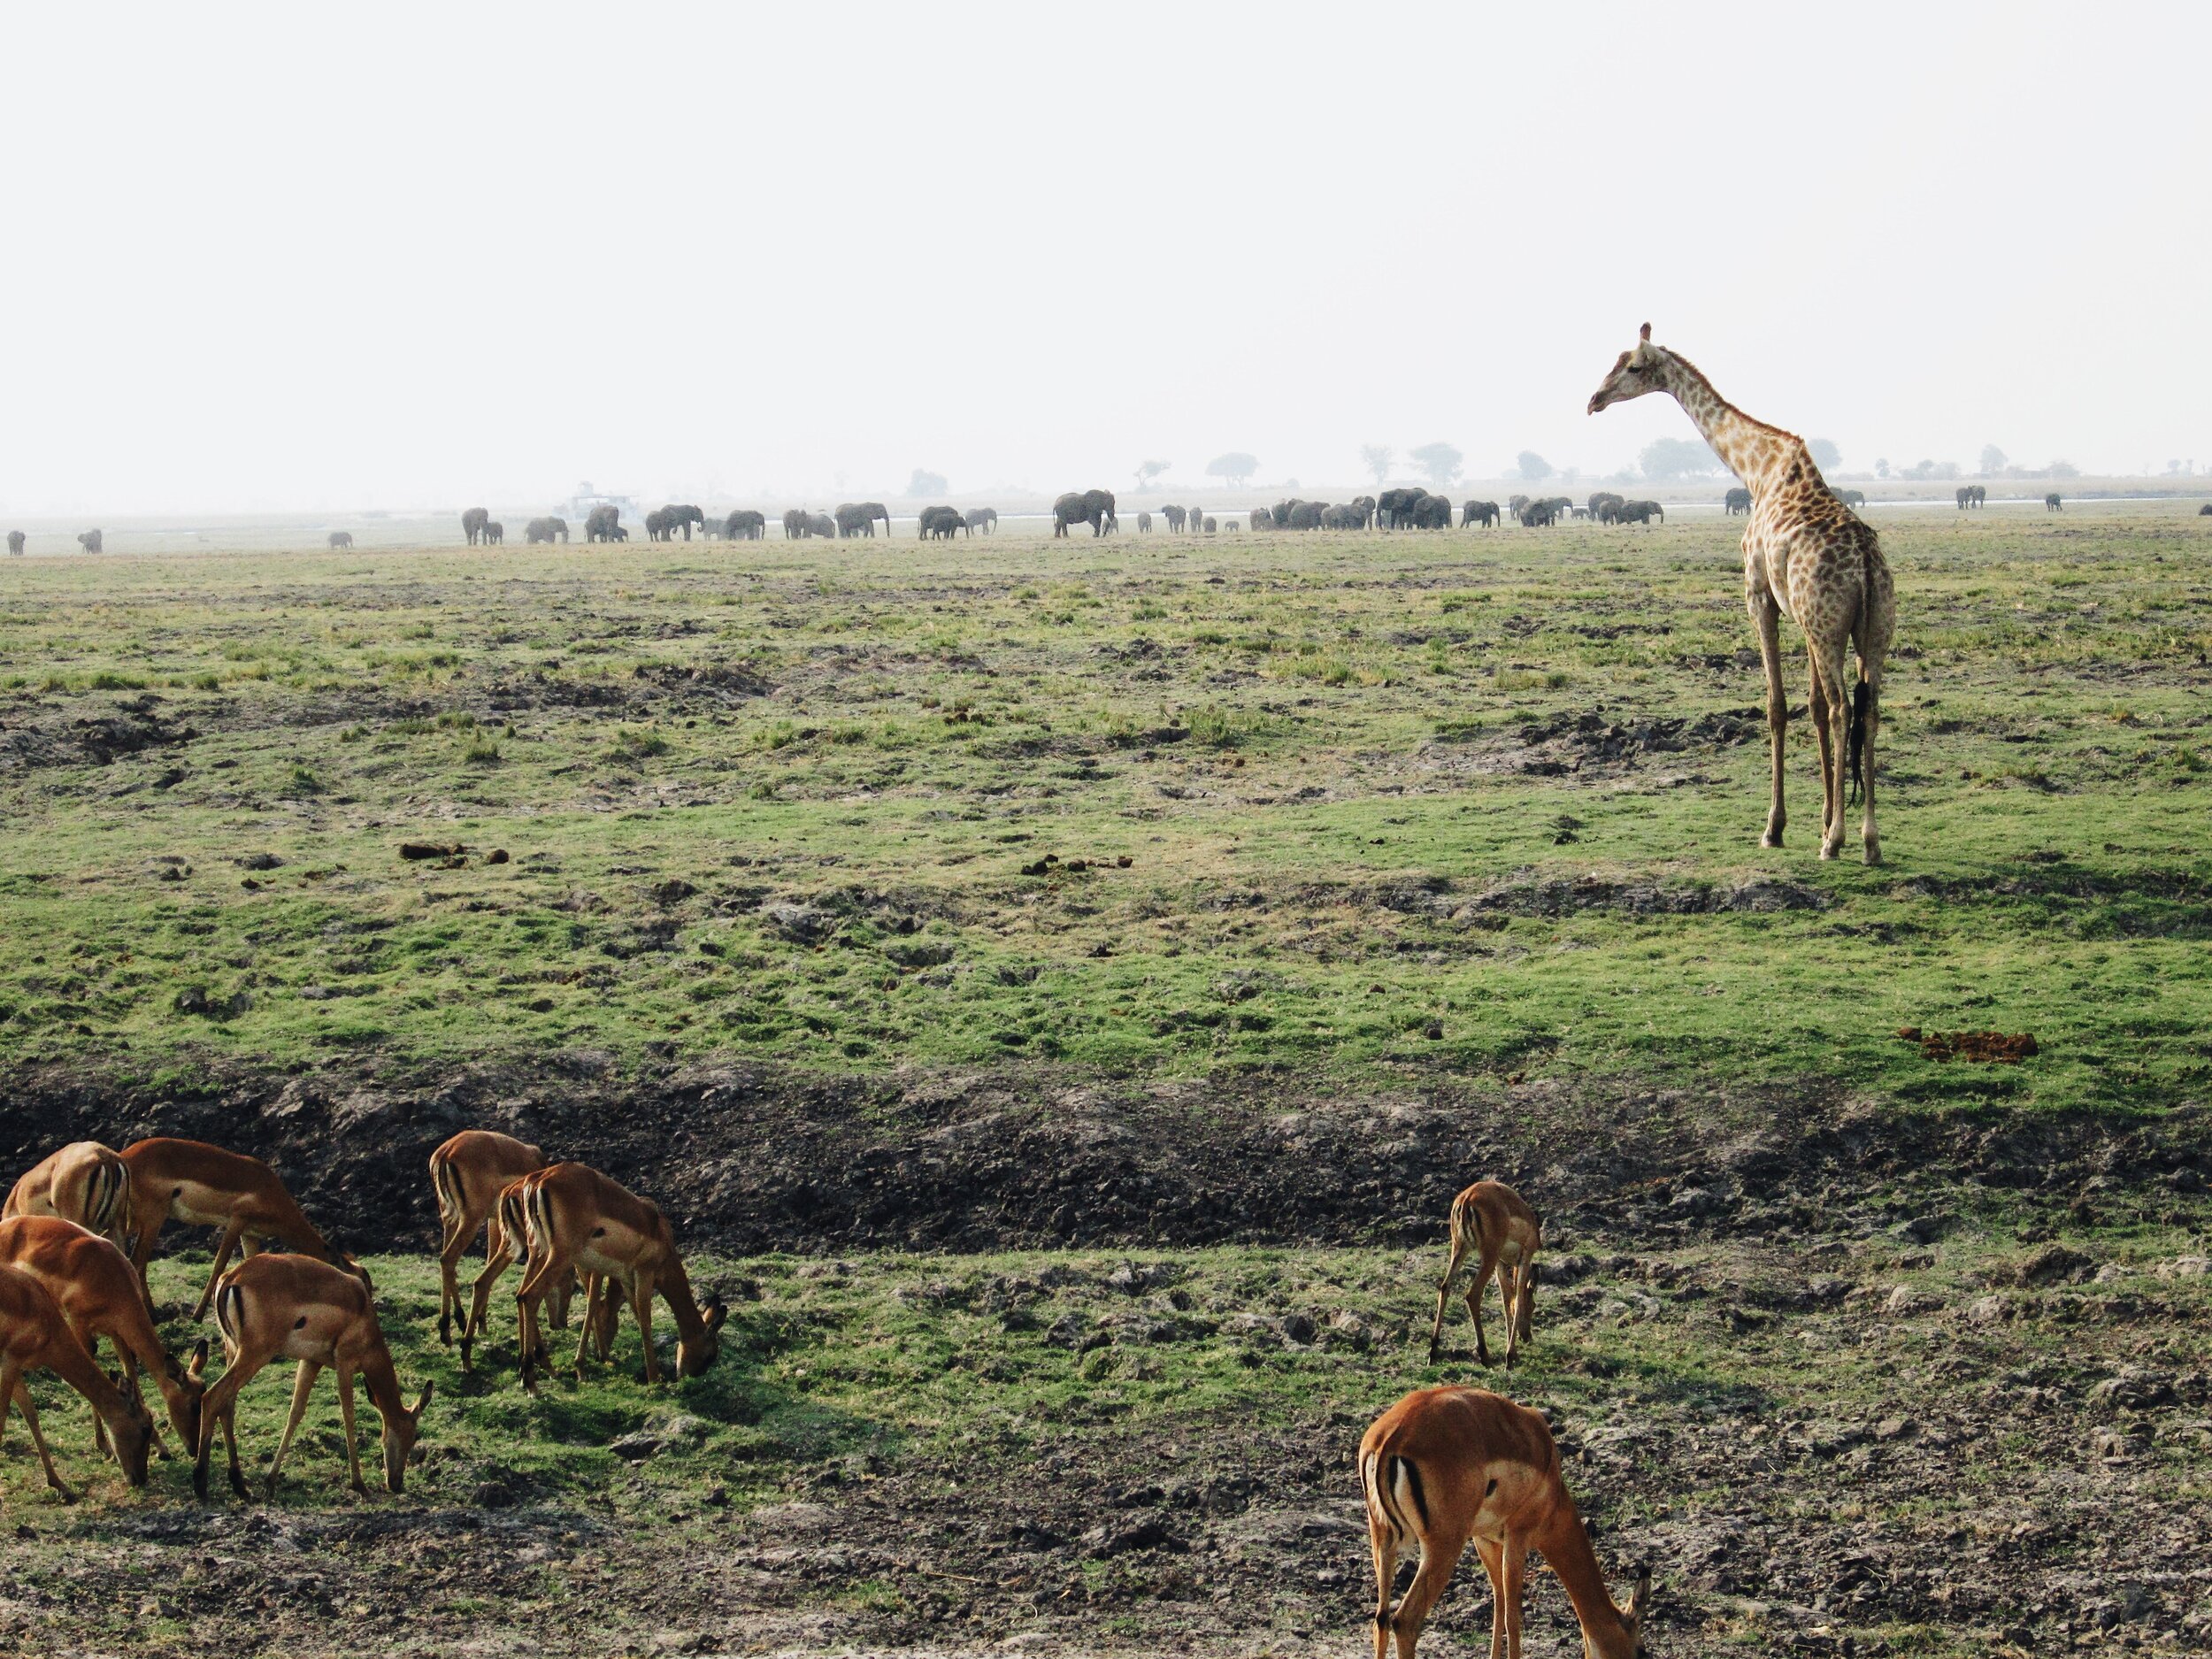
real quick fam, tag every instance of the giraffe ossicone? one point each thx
(1805, 555)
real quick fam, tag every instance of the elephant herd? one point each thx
(941, 524)
(1972, 496)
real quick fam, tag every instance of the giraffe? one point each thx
(1806, 554)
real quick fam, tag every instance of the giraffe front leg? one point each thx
(1767, 617)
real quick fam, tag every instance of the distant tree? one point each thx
(1947, 470)
(1146, 471)
(1377, 458)
(2064, 469)
(1993, 460)
(1881, 467)
(1534, 467)
(1678, 457)
(1825, 455)
(1441, 461)
(926, 483)
(1235, 466)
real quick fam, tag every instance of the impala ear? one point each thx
(199, 1360)
(423, 1400)
(1641, 1599)
(1645, 334)
(717, 1312)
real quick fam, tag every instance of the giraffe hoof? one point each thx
(1770, 840)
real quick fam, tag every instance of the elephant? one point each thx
(1144, 524)
(494, 533)
(1364, 505)
(1560, 504)
(941, 524)
(1306, 515)
(1209, 527)
(1848, 497)
(1641, 512)
(473, 523)
(1514, 503)
(685, 518)
(1478, 512)
(1536, 514)
(854, 519)
(1093, 507)
(820, 524)
(2204, 512)
(1738, 501)
(745, 525)
(1432, 512)
(1393, 508)
(1262, 519)
(657, 524)
(983, 518)
(1174, 516)
(15, 542)
(538, 530)
(2052, 504)
(1965, 497)
(1598, 503)
(1344, 518)
(877, 510)
(795, 524)
(341, 539)
(602, 523)
(90, 541)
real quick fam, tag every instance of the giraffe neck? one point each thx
(1763, 456)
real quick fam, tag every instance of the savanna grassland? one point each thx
(1059, 986)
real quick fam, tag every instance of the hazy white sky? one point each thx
(402, 256)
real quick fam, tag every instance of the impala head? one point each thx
(132, 1434)
(1641, 369)
(401, 1429)
(692, 1358)
(189, 1385)
(1639, 1603)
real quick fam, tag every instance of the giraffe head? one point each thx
(1640, 370)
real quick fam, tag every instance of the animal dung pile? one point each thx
(1052, 864)
(1990, 1048)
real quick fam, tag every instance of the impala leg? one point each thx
(497, 1259)
(233, 1231)
(451, 1248)
(1509, 1298)
(353, 1446)
(1492, 1554)
(218, 1410)
(1767, 617)
(302, 1385)
(142, 1250)
(11, 1388)
(1439, 1553)
(1484, 1273)
(642, 1305)
(1443, 1294)
(1382, 1538)
(1516, 1550)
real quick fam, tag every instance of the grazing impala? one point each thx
(1445, 1466)
(1492, 1222)
(35, 1333)
(206, 1186)
(468, 1172)
(577, 1218)
(291, 1307)
(98, 1294)
(84, 1182)
(507, 1237)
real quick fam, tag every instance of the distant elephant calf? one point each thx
(341, 537)
(1144, 524)
(494, 533)
(983, 518)
(89, 541)
(2052, 504)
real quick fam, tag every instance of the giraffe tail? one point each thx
(1861, 693)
